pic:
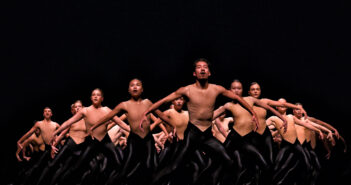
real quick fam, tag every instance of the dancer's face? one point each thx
(202, 71)
(237, 88)
(178, 103)
(37, 132)
(281, 109)
(47, 113)
(297, 112)
(96, 97)
(78, 106)
(255, 91)
(135, 88)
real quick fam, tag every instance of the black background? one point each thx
(58, 51)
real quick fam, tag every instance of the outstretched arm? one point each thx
(109, 116)
(325, 125)
(286, 104)
(60, 137)
(309, 126)
(180, 92)
(78, 116)
(27, 135)
(320, 127)
(218, 112)
(233, 96)
(275, 112)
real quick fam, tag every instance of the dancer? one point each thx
(201, 97)
(291, 155)
(140, 154)
(46, 127)
(96, 146)
(244, 143)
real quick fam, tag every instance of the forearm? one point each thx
(320, 127)
(322, 123)
(218, 112)
(60, 137)
(121, 123)
(163, 128)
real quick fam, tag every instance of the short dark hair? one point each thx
(253, 83)
(298, 103)
(102, 93)
(138, 80)
(47, 108)
(203, 60)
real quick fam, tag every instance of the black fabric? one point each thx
(140, 160)
(200, 154)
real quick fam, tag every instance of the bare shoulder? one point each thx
(106, 109)
(147, 102)
(219, 88)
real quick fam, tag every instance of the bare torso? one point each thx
(47, 129)
(242, 118)
(224, 123)
(301, 133)
(37, 142)
(261, 116)
(92, 116)
(290, 134)
(179, 120)
(134, 111)
(201, 105)
(78, 131)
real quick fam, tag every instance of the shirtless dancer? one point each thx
(306, 137)
(140, 153)
(201, 97)
(242, 142)
(35, 142)
(46, 127)
(223, 123)
(69, 152)
(291, 155)
(93, 148)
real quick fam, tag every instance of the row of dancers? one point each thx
(233, 144)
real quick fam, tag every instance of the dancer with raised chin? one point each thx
(201, 97)
(140, 153)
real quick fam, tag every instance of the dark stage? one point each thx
(56, 52)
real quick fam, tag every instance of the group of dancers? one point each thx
(234, 144)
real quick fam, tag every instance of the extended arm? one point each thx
(109, 116)
(78, 116)
(27, 135)
(325, 125)
(286, 104)
(218, 112)
(275, 112)
(309, 126)
(233, 96)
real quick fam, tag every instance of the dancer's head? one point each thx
(97, 97)
(236, 87)
(135, 88)
(47, 113)
(255, 90)
(298, 112)
(178, 103)
(282, 109)
(202, 69)
(78, 105)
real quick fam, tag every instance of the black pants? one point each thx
(196, 146)
(139, 161)
(95, 163)
(242, 149)
(291, 164)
